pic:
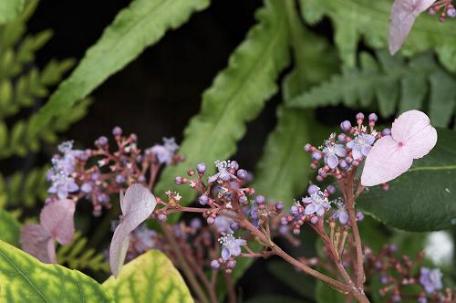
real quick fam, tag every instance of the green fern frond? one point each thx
(390, 84)
(24, 189)
(354, 20)
(78, 255)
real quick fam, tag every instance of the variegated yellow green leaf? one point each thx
(150, 278)
(25, 279)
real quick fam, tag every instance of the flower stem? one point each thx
(184, 266)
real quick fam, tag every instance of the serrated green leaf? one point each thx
(354, 20)
(10, 9)
(423, 198)
(9, 227)
(149, 278)
(237, 95)
(136, 27)
(25, 279)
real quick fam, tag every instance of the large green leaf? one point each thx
(150, 278)
(424, 198)
(140, 25)
(25, 279)
(10, 9)
(356, 19)
(237, 95)
(9, 228)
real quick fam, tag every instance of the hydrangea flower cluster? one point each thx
(233, 214)
(398, 273)
(224, 199)
(344, 151)
(98, 173)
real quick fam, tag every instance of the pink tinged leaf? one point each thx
(414, 131)
(137, 205)
(386, 161)
(57, 218)
(36, 241)
(403, 15)
(118, 249)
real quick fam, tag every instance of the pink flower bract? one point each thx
(403, 15)
(56, 224)
(137, 205)
(412, 137)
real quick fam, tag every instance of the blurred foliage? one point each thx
(77, 255)
(141, 24)
(356, 20)
(395, 85)
(10, 228)
(9, 9)
(23, 87)
(237, 95)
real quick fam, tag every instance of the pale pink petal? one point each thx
(118, 248)
(57, 218)
(414, 131)
(36, 241)
(137, 205)
(403, 15)
(385, 162)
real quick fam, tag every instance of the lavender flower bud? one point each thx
(215, 264)
(117, 131)
(386, 132)
(201, 168)
(451, 12)
(259, 199)
(312, 189)
(101, 142)
(242, 174)
(120, 179)
(234, 165)
(179, 180)
(359, 116)
(373, 117)
(86, 187)
(316, 156)
(203, 199)
(345, 126)
(331, 189)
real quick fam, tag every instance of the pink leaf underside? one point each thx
(118, 248)
(57, 218)
(403, 15)
(36, 241)
(414, 130)
(385, 162)
(137, 205)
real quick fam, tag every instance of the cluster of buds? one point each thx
(223, 200)
(98, 173)
(344, 151)
(443, 8)
(399, 274)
